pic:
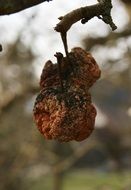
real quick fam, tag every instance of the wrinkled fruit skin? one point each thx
(67, 115)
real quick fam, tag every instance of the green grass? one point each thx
(81, 180)
(87, 180)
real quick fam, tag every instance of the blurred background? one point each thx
(27, 160)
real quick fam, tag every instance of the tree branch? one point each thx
(104, 40)
(12, 6)
(78, 153)
(102, 10)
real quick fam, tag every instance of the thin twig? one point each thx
(59, 57)
(64, 40)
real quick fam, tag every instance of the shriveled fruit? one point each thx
(67, 114)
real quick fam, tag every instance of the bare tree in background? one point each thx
(21, 147)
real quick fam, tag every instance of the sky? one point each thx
(45, 17)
